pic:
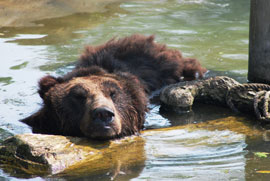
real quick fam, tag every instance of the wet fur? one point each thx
(138, 63)
(153, 63)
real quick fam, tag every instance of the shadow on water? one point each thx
(200, 113)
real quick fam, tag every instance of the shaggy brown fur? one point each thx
(153, 63)
(105, 96)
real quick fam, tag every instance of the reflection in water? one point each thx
(27, 12)
(154, 119)
(122, 161)
(201, 154)
(59, 30)
(214, 31)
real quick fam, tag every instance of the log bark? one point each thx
(247, 98)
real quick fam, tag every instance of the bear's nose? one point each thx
(103, 114)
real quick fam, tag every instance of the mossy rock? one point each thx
(38, 154)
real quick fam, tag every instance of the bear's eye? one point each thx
(111, 89)
(78, 93)
(112, 95)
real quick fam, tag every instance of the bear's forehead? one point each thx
(91, 83)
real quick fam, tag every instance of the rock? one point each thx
(40, 154)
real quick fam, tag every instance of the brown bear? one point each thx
(106, 94)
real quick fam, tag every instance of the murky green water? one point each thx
(214, 31)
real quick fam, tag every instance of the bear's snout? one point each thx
(103, 115)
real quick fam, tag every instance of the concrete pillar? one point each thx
(259, 42)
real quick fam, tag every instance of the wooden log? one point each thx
(259, 42)
(248, 98)
(181, 96)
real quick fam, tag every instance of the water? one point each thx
(214, 31)
(189, 155)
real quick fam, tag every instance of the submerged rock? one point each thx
(19, 13)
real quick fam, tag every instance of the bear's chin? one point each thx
(101, 133)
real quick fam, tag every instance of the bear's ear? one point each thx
(46, 83)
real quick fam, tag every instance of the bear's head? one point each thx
(90, 102)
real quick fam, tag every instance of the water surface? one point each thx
(214, 31)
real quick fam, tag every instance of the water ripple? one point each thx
(194, 154)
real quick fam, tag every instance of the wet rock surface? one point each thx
(39, 154)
